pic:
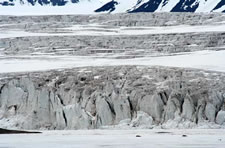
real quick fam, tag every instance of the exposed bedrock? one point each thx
(88, 98)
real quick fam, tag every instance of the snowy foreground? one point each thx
(118, 139)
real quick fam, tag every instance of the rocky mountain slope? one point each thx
(131, 6)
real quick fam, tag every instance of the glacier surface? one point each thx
(116, 71)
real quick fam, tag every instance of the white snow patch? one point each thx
(98, 31)
(205, 6)
(199, 60)
(147, 77)
(83, 7)
(97, 77)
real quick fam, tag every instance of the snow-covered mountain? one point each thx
(164, 6)
(118, 6)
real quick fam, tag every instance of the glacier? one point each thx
(83, 72)
(116, 79)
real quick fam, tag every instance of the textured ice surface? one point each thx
(109, 40)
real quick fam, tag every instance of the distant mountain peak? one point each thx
(108, 7)
(167, 6)
(121, 6)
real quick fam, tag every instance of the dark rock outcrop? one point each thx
(6, 131)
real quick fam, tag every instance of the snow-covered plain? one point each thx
(207, 60)
(94, 30)
(98, 30)
(118, 139)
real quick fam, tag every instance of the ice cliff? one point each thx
(94, 97)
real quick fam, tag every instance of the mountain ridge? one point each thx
(131, 6)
